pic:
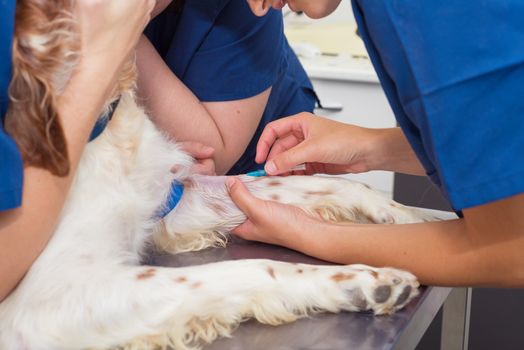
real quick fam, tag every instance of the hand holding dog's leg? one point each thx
(269, 221)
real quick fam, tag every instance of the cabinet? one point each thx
(337, 63)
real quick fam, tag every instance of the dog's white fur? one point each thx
(88, 289)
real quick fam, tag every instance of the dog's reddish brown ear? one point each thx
(32, 118)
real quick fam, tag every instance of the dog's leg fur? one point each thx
(334, 199)
(101, 306)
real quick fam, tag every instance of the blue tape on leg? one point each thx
(175, 194)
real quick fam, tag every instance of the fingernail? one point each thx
(208, 149)
(230, 182)
(270, 167)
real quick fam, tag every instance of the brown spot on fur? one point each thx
(146, 274)
(218, 208)
(196, 285)
(188, 183)
(339, 276)
(274, 183)
(319, 193)
(300, 271)
(181, 279)
(373, 273)
(274, 197)
(271, 272)
(87, 258)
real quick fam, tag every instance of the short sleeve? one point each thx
(237, 56)
(457, 89)
(11, 168)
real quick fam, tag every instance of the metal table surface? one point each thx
(345, 330)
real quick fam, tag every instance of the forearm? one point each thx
(445, 253)
(25, 231)
(392, 152)
(173, 107)
(226, 126)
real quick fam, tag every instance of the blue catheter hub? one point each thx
(257, 173)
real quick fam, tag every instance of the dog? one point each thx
(88, 288)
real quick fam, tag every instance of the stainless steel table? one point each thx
(403, 330)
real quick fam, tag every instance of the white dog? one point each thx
(88, 289)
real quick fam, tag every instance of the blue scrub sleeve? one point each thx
(453, 72)
(11, 167)
(241, 56)
(222, 55)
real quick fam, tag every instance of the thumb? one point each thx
(240, 195)
(285, 161)
(244, 230)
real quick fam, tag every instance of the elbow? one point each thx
(225, 158)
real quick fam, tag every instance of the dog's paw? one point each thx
(381, 290)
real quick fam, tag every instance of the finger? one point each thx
(285, 161)
(209, 164)
(197, 149)
(283, 144)
(244, 230)
(273, 131)
(204, 167)
(298, 172)
(314, 168)
(242, 198)
(335, 169)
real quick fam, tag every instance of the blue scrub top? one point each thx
(453, 72)
(11, 168)
(222, 52)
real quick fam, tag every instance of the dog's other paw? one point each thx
(381, 290)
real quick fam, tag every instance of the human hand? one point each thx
(205, 164)
(110, 29)
(325, 146)
(271, 222)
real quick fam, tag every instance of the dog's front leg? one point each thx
(206, 213)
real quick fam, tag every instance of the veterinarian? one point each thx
(213, 72)
(31, 197)
(453, 75)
